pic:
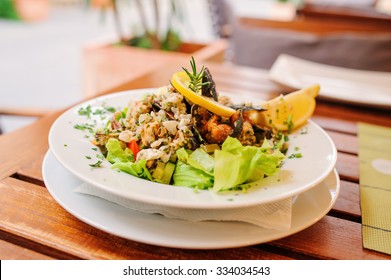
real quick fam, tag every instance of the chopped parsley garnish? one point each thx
(83, 127)
(100, 156)
(281, 135)
(104, 110)
(296, 155)
(88, 110)
(289, 123)
(88, 157)
(98, 112)
(110, 109)
(85, 111)
(96, 164)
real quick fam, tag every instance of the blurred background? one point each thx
(41, 43)
(44, 43)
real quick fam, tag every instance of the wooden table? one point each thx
(34, 226)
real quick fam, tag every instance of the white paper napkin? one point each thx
(275, 215)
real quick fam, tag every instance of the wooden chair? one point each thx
(258, 42)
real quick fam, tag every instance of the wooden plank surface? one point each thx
(318, 25)
(348, 202)
(106, 66)
(331, 238)
(24, 145)
(44, 222)
(9, 251)
(32, 222)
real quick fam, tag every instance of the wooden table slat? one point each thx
(34, 225)
(9, 251)
(348, 201)
(346, 112)
(347, 167)
(44, 221)
(37, 144)
(338, 125)
(328, 239)
(345, 143)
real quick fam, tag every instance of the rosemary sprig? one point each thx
(195, 78)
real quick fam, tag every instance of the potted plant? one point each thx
(25, 10)
(155, 43)
(155, 32)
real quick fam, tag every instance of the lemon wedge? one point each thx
(290, 111)
(181, 81)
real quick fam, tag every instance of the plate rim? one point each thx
(200, 244)
(275, 75)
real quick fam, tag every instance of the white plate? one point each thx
(309, 208)
(353, 86)
(70, 147)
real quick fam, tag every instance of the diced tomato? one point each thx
(134, 147)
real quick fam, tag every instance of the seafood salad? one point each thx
(186, 134)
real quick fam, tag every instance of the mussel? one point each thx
(209, 128)
(238, 125)
(209, 87)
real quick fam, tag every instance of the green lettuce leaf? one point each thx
(232, 166)
(122, 159)
(115, 153)
(198, 159)
(138, 169)
(188, 176)
(236, 164)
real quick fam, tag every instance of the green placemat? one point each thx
(375, 186)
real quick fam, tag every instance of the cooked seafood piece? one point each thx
(209, 87)
(212, 129)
